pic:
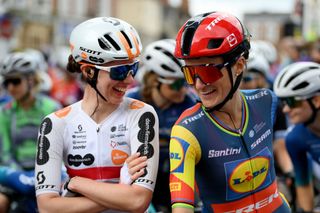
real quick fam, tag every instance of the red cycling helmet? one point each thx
(212, 34)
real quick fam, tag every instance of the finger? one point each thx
(132, 157)
(137, 167)
(137, 174)
(136, 161)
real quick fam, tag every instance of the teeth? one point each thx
(121, 89)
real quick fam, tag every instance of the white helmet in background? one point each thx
(39, 58)
(60, 56)
(300, 79)
(265, 48)
(104, 39)
(258, 63)
(159, 58)
(20, 63)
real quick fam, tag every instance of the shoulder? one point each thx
(64, 114)
(192, 112)
(255, 94)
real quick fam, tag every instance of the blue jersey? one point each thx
(233, 169)
(303, 145)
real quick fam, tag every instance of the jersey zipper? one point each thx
(251, 167)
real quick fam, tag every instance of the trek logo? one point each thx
(258, 95)
(216, 21)
(193, 118)
(249, 175)
(94, 52)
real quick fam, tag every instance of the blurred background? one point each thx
(44, 24)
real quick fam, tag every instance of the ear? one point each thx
(240, 65)
(316, 101)
(87, 71)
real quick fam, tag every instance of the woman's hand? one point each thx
(133, 168)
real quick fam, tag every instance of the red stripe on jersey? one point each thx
(265, 201)
(188, 112)
(95, 173)
(180, 191)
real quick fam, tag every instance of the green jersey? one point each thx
(19, 131)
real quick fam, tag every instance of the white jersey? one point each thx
(96, 151)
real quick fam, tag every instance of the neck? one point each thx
(27, 102)
(159, 100)
(97, 108)
(231, 112)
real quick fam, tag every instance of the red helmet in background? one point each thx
(212, 34)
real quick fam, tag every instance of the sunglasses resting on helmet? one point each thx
(207, 73)
(291, 102)
(173, 84)
(120, 72)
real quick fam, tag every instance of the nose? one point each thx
(199, 84)
(285, 108)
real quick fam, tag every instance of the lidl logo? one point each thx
(249, 175)
(177, 154)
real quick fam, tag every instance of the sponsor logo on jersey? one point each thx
(257, 96)
(77, 160)
(136, 104)
(226, 152)
(264, 136)
(193, 118)
(63, 112)
(118, 157)
(178, 149)
(175, 186)
(245, 176)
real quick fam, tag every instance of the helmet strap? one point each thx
(92, 81)
(233, 89)
(314, 113)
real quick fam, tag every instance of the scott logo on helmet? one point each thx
(90, 51)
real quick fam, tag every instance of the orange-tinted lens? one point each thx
(207, 73)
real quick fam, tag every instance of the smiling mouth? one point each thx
(120, 89)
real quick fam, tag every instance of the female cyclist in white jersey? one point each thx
(95, 136)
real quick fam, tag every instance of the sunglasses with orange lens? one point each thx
(207, 73)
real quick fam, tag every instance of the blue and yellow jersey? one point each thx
(232, 169)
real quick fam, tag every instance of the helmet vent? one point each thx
(301, 86)
(127, 38)
(148, 57)
(214, 43)
(306, 69)
(165, 67)
(103, 44)
(187, 40)
(112, 42)
(167, 53)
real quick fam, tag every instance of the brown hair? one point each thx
(150, 81)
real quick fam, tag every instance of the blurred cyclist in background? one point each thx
(103, 132)
(298, 86)
(19, 123)
(223, 145)
(67, 87)
(165, 89)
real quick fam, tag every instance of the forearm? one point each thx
(282, 156)
(122, 197)
(181, 210)
(48, 203)
(305, 197)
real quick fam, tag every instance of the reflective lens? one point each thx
(173, 84)
(14, 81)
(208, 73)
(119, 73)
(291, 102)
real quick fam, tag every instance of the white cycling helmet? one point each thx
(159, 58)
(300, 79)
(259, 63)
(266, 48)
(104, 39)
(19, 63)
